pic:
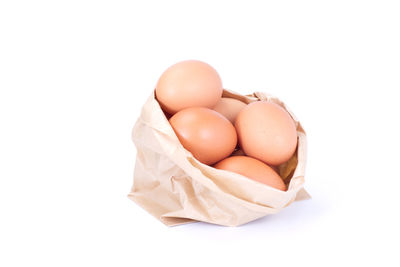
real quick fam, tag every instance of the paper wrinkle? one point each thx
(176, 188)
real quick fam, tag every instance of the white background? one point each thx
(73, 77)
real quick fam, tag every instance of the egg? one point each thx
(253, 169)
(208, 135)
(229, 107)
(189, 83)
(266, 132)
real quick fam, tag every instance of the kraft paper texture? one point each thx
(176, 188)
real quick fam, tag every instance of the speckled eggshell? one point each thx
(208, 135)
(189, 83)
(253, 169)
(266, 132)
(229, 107)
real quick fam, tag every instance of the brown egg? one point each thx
(253, 169)
(190, 83)
(208, 135)
(229, 107)
(266, 132)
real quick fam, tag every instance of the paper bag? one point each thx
(176, 188)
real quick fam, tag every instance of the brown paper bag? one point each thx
(176, 188)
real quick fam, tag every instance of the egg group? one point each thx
(226, 133)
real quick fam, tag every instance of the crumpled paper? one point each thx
(176, 188)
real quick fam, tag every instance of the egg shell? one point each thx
(208, 135)
(229, 107)
(266, 132)
(189, 83)
(253, 169)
